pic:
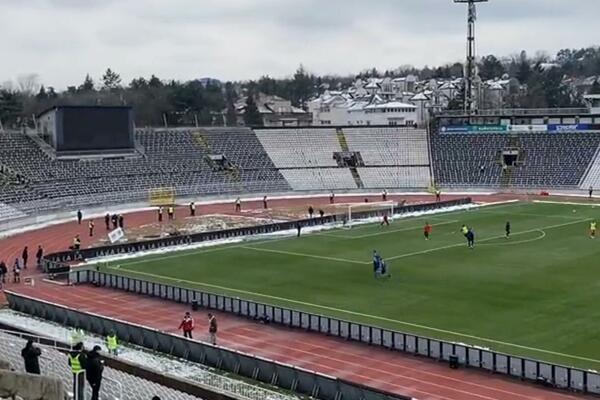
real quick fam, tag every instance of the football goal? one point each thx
(368, 212)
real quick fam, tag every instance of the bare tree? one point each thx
(28, 83)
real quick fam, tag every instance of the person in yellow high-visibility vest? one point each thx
(112, 343)
(77, 362)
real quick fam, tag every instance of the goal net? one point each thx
(362, 213)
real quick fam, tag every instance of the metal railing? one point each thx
(509, 112)
(559, 376)
(260, 369)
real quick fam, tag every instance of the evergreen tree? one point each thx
(252, 116)
(490, 67)
(230, 97)
(111, 80)
(87, 85)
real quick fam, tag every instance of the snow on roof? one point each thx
(392, 104)
(372, 85)
(420, 97)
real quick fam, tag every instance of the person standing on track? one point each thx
(212, 328)
(438, 195)
(16, 271)
(590, 192)
(265, 205)
(238, 205)
(91, 227)
(160, 214)
(331, 198)
(39, 254)
(79, 217)
(426, 230)
(107, 221)
(25, 257)
(187, 325)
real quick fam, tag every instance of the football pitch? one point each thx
(536, 294)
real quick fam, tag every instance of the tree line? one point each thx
(542, 81)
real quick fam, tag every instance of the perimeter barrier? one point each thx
(299, 380)
(57, 263)
(549, 374)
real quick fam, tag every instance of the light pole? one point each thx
(470, 67)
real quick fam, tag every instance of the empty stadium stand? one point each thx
(468, 160)
(545, 160)
(261, 161)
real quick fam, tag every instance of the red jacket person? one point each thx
(187, 325)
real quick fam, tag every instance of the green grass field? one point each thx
(536, 294)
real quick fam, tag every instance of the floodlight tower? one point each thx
(470, 67)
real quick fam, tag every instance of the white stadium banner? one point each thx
(116, 235)
(528, 128)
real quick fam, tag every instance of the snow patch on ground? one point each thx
(280, 235)
(175, 367)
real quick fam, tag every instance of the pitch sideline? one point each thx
(368, 316)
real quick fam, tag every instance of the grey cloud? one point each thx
(62, 40)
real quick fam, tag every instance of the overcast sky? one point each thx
(62, 40)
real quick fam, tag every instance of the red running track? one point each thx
(418, 377)
(392, 371)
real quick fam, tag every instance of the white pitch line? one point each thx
(530, 215)
(291, 253)
(372, 317)
(484, 240)
(510, 243)
(412, 228)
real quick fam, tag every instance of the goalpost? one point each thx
(368, 212)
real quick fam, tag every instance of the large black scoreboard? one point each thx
(88, 128)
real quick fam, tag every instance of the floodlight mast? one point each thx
(470, 67)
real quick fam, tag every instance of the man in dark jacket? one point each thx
(25, 257)
(93, 371)
(31, 355)
(39, 254)
(107, 221)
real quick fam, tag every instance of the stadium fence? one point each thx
(554, 375)
(299, 380)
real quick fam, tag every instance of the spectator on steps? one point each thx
(93, 371)
(31, 355)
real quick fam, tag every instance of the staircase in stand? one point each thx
(201, 140)
(357, 179)
(344, 145)
(342, 139)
